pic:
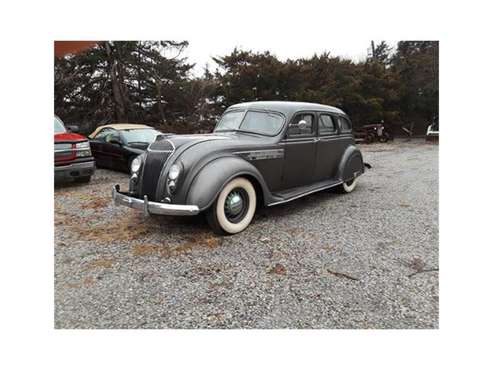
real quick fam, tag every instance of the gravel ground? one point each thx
(368, 259)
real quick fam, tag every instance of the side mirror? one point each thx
(73, 128)
(115, 141)
(302, 124)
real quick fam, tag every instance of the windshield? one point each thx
(263, 123)
(59, 126)
(140, 135)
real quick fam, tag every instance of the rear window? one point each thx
(344, 124)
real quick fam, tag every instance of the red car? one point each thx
(73, 157)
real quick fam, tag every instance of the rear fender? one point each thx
(351, 164)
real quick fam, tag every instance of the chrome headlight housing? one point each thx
(174, 172)
(173, 175)
(136, 164)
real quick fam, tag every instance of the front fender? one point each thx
(351, 164)
(211, 179)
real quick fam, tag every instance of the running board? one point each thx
(301, 191)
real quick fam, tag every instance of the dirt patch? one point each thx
(146, 249)
(86, 282)
(128, 227)
(101, 263)
(96, 203)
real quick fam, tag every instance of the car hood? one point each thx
(180, 140)
(193, 149)
(68, 137)
(216, 140)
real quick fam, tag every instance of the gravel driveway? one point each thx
(364, 260)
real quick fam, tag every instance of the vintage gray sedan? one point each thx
(260, 153)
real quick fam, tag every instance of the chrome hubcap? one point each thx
(236, 205)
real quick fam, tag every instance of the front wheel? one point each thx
(234, 207)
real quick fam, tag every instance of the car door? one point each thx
(329, 148)
(299, 151)
(97, 147)
(114, 150)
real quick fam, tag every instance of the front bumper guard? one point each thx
(122, 199)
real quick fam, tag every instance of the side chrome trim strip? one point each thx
(253, 155)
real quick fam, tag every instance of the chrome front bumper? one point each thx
(147, 207)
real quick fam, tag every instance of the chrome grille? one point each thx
(156, 158)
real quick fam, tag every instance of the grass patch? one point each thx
(194, 243)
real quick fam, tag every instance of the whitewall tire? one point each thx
(234, 207)
(348, 186)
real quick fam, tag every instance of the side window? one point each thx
(301, 125)
(112, 135)
(326, 125)
(344, 124)
(101, 135)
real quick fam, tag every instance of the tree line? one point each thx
(151, 82)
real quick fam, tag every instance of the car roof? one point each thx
(125, 126)
(286, 107)
(119, 126)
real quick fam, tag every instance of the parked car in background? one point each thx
(73, 158)
(373, 133)
(115, 146)
(260, 153)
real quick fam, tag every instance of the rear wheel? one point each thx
(234, 207)
(348, 186)
(370, 138)
(384, 138)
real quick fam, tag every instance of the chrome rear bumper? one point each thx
(147, 207)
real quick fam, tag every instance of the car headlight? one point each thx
(174, 172)
(136, 164)
(83, 149)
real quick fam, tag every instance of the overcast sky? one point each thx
(201, 51)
